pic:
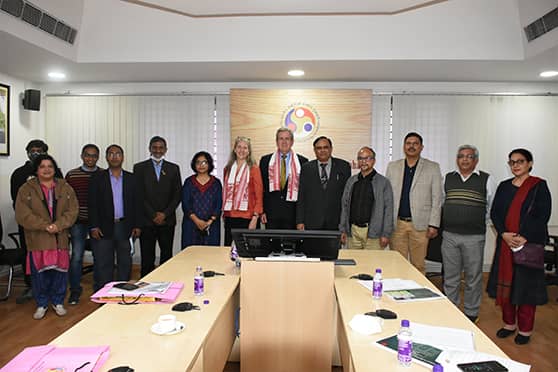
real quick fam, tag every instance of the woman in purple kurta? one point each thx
(201, 203)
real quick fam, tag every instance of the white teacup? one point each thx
(167, 323)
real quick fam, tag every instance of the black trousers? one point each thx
(104, 251)
(234, 223)
(150, 235)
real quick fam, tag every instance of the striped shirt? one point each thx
(79, 178)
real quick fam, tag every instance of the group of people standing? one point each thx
(403, 210)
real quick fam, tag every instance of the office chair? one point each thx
(89, 267)
(551, 260)
(434, 254)
(10, 257)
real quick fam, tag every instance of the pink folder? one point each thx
(53, 358)
(169, 296)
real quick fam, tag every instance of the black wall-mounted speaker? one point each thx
(32, 99)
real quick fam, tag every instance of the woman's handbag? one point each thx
(531, 255)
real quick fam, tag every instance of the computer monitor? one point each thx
(322, 244)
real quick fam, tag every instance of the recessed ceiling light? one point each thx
(296, 73)
(547, 74)
(56, 75)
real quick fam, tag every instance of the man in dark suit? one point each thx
(160, 186)
(321, 187)
(114, 218)
(281, 175)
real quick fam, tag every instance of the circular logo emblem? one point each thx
(302, 120)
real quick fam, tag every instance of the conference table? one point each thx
(207, 339)
(206, 342)
(358, 352)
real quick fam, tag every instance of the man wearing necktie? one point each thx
(321, 187)
(160, 187)
(280, 175)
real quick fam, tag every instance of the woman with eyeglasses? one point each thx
(201, 203)
(243, 189)
(47, 207)
(520, 213)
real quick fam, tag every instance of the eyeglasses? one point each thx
(201, 162)
(114, 155)
(88, 155)
(466, 156)
(511, 163)
(366, 158)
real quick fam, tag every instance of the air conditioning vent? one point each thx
(34, 16)
(31, 15)
(48, 23)
(62, 31)
(14, 7)
(541, 26)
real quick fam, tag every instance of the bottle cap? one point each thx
(438, 368)
(404, 323)
(378, 270)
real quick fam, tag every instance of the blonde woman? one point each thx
(242, 189)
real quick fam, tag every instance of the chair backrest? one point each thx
(434, 250)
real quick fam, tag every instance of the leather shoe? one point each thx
(521, 339)
(503, 332)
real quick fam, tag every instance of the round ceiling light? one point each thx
(56, 75)
(547, 74)
(296, 73)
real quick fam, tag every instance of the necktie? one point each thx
(283, 171)
(323, 176)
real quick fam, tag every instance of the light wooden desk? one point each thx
(204, 345)
(357, 351)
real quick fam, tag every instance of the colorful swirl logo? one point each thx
(302, 120)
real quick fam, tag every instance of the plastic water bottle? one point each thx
(438, 368)
(405, 344)
(377, 286)
(234, 255)
(198, 281)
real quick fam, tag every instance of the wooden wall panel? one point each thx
(344, 115)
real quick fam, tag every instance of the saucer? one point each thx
(179, 328)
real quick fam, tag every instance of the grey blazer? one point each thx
(381, 218)
(425, 195)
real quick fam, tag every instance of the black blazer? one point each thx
(161, 195)
(275, 203)
(101, 207)
(320, 209)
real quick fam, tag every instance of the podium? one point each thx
(286, 316)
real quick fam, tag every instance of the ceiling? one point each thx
(31, 62)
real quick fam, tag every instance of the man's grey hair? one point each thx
(469, 147)
(281, 130)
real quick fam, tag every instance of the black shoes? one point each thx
(25, 296)
(74, 298)
(521, 339)
(503, 332)
(473, 318)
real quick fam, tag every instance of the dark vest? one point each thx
(464, 210)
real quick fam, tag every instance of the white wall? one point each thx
(24, 126)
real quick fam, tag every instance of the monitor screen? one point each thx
(320, 244)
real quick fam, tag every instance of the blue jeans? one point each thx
(48, 285)
(79, 235)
